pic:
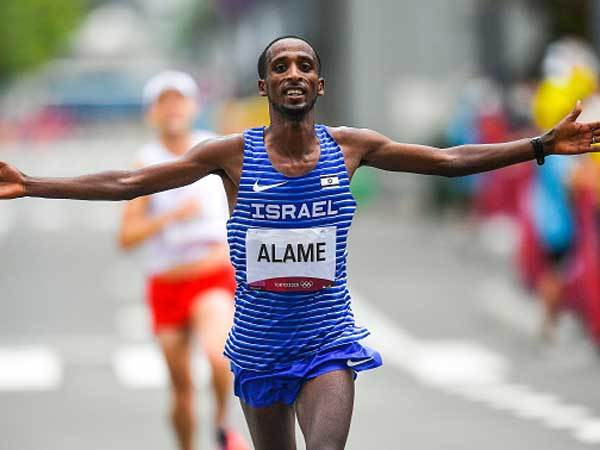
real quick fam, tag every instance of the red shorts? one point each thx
(172, 302)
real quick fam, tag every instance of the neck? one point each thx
(290, 137)
(177, 144)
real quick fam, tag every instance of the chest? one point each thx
(295, 166)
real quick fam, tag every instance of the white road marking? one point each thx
(29, 369)
(143, 367)
(451, 363)
(565, 417)
(140, 367)
(475, 373)
(588, 432)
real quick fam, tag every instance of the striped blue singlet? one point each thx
(271, 328)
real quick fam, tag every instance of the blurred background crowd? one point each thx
(448, 73)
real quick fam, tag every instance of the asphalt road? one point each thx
(462, 367)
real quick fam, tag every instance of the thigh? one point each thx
(212, 318)
(176, 347)
(324, 407)
(272, 427)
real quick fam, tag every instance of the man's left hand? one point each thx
(570, 137)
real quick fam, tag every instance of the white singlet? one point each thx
(188, 241)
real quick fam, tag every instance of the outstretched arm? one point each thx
(207, 157)
(568, 137)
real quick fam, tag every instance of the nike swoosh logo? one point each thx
(266, 187)
(351, 363)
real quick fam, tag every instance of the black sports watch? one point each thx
(538, 150)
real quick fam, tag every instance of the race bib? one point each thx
(291, 259)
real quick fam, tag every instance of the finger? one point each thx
(572, 117)
(593, 126)
(593, 137)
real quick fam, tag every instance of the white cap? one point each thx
(169, 80)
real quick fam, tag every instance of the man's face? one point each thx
(292, 81)
(172, 113)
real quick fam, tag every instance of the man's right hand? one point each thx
(12, 182)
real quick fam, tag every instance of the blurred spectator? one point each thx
(556, 205)
(570, 71)
(552, 218)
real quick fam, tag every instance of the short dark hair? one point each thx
(262, 60)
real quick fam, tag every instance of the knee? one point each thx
(182, 406)
(217, 360)
(183, 394)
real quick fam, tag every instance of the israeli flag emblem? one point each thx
(329, 181)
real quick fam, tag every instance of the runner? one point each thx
(293, 347)
(190, 280)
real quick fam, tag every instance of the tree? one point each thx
(32, 31)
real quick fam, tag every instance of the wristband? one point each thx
(538, 150)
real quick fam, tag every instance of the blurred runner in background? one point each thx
(190, 280)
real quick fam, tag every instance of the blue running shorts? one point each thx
(262, 389)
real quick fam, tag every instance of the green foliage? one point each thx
(364, 186)
(196, 23)
(32, 31)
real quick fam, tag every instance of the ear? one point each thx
(321, 87)
(262, 88)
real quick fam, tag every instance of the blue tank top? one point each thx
(287, 238)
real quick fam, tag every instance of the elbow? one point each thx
(451, 166)
(128, 188)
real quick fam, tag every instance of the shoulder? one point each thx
(356, 143)
(222, 151)
(231, 143)
(355, 137)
